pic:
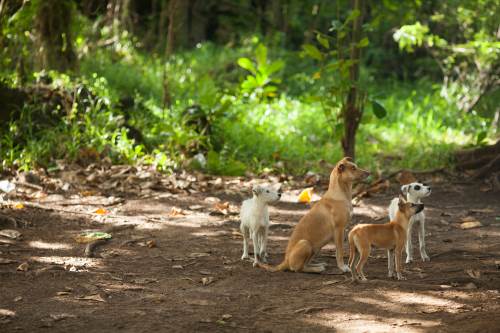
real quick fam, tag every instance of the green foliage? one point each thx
(264, 74)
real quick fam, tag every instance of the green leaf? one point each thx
(352, 15)
(275, 66)
(313, 51)
(379, 110)
(261, 54)
(323, 41)
(247, 64)
(363, 43)
(481, 136)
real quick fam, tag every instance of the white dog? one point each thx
(414, 192)
(255, 221)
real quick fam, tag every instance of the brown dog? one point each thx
(390, 236)
(325, 222)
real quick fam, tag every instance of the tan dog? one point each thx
(325, 222)
(390, 236)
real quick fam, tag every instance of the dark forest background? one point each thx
(247, 85)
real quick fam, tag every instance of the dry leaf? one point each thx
(306, 195)
(207, 280)
(95, 297)
(23, 267)
(221, 208)
(175, 211)
(226, 316)
(151, 243)
(205, 272)
(18, 205)
(177, 267)
(199, 255)
(101, 211)
(195, 207)
(6, 261)
(470, 225)
(473, 273)
(12, 234)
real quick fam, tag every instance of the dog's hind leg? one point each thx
(390, 263)
(300, 256)
(409, 245)
(364, 253)
(262, 244)
(246, 235)
(421, 240)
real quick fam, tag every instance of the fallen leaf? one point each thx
(328, 283)
(475, 274)
(18, 299)
(226, 316)
(221, 208)
(151, 243)
(95, 297)
(199, 254)
(101, 211)
(23, 267)
(175, 211)
(207, 280)
(87, 237)
(205, 272)
(177, 267)
(211, 200)
(306, 195)
(9, 233)
(18, 205)
(196, 207)
(62, 293)
(470, 225)
(6, 261)
(61, 316)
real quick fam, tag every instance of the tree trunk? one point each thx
(177, 35)
(353, 108)
(53, 29)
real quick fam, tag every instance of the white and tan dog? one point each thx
(390, 236)
(254, 216)
(414, 193)
(325, 222)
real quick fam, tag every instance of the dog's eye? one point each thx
(417, 187)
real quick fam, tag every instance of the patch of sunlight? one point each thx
(341, 321)
(72, 261)
(49, 246)
(419, 299)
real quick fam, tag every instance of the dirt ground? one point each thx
(177, 267)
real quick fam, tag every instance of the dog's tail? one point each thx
(279, 268)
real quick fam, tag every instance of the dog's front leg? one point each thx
(390, 262)
(263, 244)
(421, 240)
(339, 247)
(245, 245)
(409, 245)
(256, 245)
(399, 258)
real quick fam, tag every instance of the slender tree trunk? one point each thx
(54, 39)
(353, 109)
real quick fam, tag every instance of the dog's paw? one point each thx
(409, 260)
(345, 269)
(390, 275)
(401, 277)
(425, 257)
(255, 263)
(245, 256)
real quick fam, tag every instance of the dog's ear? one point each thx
(405, 189)
(256, 190)
(341, 168)
(402, 200)
(348, 159)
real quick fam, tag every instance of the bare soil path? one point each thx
(177, 268)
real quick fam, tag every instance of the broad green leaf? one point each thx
(363, 43)
(313, 51)
(247, 64)
(323, 41)
(481, 136)
(261, 54)
(379, 110)
(352, 15)
(275, 66)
